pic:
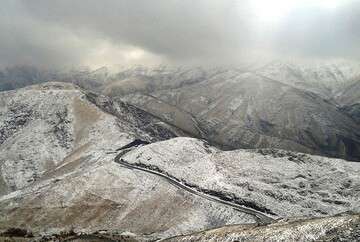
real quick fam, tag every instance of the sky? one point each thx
(68, 33)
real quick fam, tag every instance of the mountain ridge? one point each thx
(59, 169)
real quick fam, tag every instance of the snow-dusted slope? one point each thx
(46, 126)
(326, 78)
(349, 99)
(146, 80)
(245, 110)
(248, 107)
(337, 228)
(58, 170)
(351, 94)
(96, 193)
(58, 145)
(281, 183)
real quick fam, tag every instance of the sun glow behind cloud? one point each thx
(177, 32)
(274, 11)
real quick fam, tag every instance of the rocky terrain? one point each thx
(58, 171)
(338, 228)
(299, 106)
(50, 125)
(275, 182)
(104, 195)
(245, 110)
(342, 227)
(75, 160)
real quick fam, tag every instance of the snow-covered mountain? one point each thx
(302, 106)
(325, 78)
(73, 159)
(238, 109)
(58, 145)
(48, 126)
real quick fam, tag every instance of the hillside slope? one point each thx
(57, 150)
(325, 78)
(338, 228)
(244, 110)
(97, 193)
(46, 126)
(296, 105)
(349, 99)
(276, 182)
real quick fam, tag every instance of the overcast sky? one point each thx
(58, 33)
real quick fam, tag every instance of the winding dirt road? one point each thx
(261, 217)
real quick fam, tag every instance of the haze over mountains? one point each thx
(59, 172)
(56, 135)
(311, 108)
(244, 110)
(179, 120)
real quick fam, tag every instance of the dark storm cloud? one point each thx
(180, 30)
(68, 32)
(24, 40)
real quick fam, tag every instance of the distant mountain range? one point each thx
(62, 156)
(279, 105)
(311, 107)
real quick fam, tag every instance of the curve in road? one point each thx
(262, 218)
